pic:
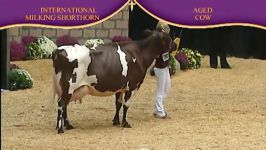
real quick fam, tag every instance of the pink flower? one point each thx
(66, 40)
(26, 40)
(119, 38)
(17, 51)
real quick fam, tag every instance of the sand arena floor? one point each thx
(209, 109)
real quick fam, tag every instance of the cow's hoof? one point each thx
(60, 131)
(69, 127)
(116, 122)
(126, 125)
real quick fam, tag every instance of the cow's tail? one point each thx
(52, 102)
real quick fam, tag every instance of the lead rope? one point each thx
(180, 33)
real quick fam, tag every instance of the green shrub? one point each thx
(34, 51)
(172, 63)
(20, 79)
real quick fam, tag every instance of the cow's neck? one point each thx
(149, 50)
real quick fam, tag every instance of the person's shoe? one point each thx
(225, 66)
(161, 117)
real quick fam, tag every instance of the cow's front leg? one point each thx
(118, 104)
(125, 124)
(66, 120)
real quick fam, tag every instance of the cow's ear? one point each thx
(146, 33)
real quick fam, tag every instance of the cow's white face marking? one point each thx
(134, 59)
(123, 61)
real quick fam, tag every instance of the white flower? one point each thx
(93, 43)
(47, 45)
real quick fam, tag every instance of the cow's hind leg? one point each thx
(66, 120)
(118, 104)
(62, 114)
(60, 106)
(125, 124)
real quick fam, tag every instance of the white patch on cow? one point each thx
(91, 79)
(82, 54)
(84, 80)
(83, 84)
(60, 108)
(127, 87)
(59, 123)
(123, 61)
(134, 59)
(76, 52)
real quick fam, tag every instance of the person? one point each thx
(219, 42)
(162, 75)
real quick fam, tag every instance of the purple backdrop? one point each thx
(175, 11)
(223, 11)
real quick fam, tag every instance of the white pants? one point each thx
(163, 86)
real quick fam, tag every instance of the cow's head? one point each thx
(160, 40)
(164, 41)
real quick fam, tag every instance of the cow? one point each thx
(108, 69)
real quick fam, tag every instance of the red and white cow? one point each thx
(115, 68)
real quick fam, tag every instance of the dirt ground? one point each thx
(209, 109)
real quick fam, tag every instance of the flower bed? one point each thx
(31, 48)
(172, 63)
(17, 51)
(188, 59)
(93, 43)
(66, 40)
